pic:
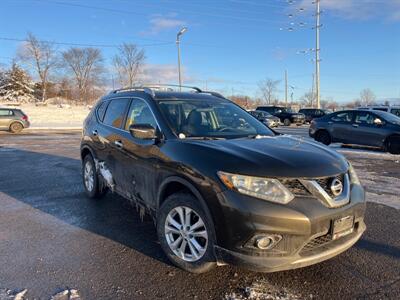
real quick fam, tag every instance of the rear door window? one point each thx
(6, 112)
(115, 113)
(101, 111)
(345, 117)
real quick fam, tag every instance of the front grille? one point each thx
(326, 182)
(295, 187)
(317, 242)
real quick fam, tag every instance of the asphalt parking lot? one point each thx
(53, 238)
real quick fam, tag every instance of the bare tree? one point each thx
(308, 99)
(268, 88)
(128, 62)
(86, 65)
(40, 55)
(367, 97)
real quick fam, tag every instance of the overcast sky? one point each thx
(230, 45)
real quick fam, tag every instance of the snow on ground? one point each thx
(263, 290)
(68, 294)
(52, 116)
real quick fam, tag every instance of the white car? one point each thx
(391, 109)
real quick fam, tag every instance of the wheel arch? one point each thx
(15, 121)
(85, 150)
(174, 184)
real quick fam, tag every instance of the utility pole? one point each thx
(178, 42)
(286, 88)
(317, 50)
(312, 91)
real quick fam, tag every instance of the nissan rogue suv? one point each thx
(220, 185)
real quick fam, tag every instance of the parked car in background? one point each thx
(286, 115)
(359, 127)
(266, 118)
(220, 186)
(313, 113)
(13, 119)
(391, 109)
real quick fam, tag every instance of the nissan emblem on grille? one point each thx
(336, 187)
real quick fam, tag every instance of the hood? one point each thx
(277, 156)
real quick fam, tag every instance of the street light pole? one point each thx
(178, 41)
(317, 50)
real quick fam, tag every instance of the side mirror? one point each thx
(378, 122)
(143, 131)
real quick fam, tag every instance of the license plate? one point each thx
(342, 227)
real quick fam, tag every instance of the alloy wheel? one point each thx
(186, 233)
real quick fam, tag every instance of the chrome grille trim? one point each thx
(319, 192)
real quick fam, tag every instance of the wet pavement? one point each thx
(53, 238)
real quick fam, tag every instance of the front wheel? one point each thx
(287, 122)
(323, 137)
(392, 145)
(186, 233)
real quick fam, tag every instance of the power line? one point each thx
(82, 44)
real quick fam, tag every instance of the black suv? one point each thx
(313, 113)
(221, 186)
(286, 115)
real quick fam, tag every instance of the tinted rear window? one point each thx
(6, 112)
(101, 111)
(115, 113)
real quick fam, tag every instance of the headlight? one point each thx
(353, 175)
(264, 188)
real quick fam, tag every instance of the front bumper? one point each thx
(304, 224)
(297, 120)
(298, 260)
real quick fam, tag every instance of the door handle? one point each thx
(355, 125)
(95, 132)
(118, 144)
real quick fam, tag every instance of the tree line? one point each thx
(77, 73)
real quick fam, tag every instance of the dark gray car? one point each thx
(360, 127)
(13, 120)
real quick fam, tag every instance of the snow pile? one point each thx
(6, 294)
(263, 290)
(69, 294)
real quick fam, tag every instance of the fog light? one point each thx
(265, 242)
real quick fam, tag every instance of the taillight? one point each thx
(25, 118)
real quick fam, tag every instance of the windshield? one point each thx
(388, 117)
(286, 110)
(210, 119)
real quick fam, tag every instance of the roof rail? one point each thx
(134, 88)
(215, 94)
(150, 88)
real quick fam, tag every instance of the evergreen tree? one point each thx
(16, 85)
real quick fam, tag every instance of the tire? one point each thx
(16, 127)
(287, 122)
(93, 187)
(392, 145)
(323, 137)
(170, 232)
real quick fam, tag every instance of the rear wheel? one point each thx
(91, 182)
(287, 122)
(16, 127)
(186, 233)
(392, 145)
(323, 137)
